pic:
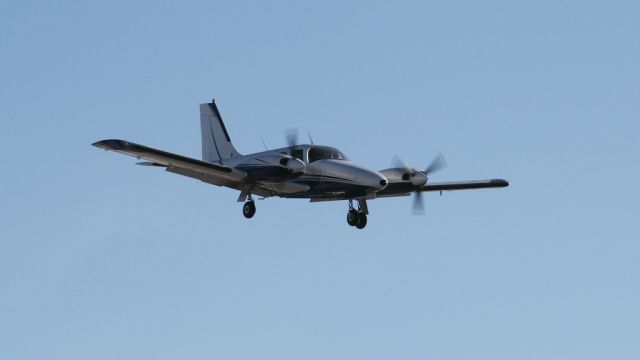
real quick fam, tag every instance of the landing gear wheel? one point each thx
(362, 220)
(249, 209)
(352, 217)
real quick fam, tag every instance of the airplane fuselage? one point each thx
(308, 169)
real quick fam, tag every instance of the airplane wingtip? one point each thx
(110, 144)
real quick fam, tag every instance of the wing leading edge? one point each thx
(404, 188)
(464, 185)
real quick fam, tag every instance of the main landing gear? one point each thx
(249, 208)
(357, 218)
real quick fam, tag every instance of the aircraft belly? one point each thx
(321, 187)
(264, 172)
(394, 189)
(284, 188)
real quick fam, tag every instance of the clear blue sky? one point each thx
(102, 259)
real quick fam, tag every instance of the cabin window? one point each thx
(325, 153)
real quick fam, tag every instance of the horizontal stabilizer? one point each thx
(149, 163)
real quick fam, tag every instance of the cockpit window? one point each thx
(325, 153)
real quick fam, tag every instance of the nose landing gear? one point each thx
(357, 218)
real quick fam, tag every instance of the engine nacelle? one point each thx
(273, 167)
(294, 165)
(418, 178)
(413, 176)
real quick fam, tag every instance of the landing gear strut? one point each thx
(249, 208)
(357, 218)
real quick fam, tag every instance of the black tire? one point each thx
(362, 220)
(352, 217)
(249, 209)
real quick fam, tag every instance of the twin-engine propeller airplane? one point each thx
(318, 173)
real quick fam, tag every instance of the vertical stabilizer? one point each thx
(216, 144)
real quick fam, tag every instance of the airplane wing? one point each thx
(464, 185)
(202, 170)
(404, 188)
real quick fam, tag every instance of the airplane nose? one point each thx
(358, 175)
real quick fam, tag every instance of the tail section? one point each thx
(216, 144)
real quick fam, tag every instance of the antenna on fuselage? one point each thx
(265, 144)
(310, 138)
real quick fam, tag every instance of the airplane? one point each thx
(298, 171)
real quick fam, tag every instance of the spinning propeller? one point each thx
(294, 165)
(419, 178)
(291, 136)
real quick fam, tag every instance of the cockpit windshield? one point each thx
(325, 153)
